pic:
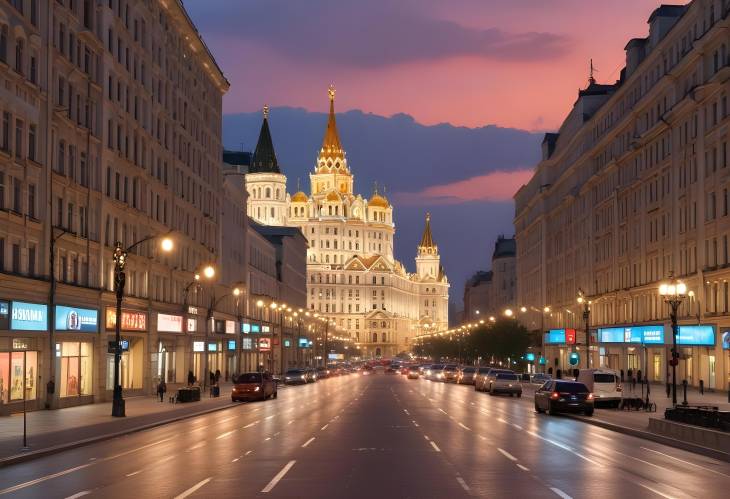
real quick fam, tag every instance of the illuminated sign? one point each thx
(303, 343)
(198, 346)
(726, 339)
(76, 319)
(245, 327)
(264, 344)
(555, 336)
(132, 320)
(570, 336)
(169, 323)
(255, 328)
(230, 327)
(192, 325)
(4, 313)
(530, 357)
(647, 335)
(231, 344)
(20, 344)
(246, 343)
(287, 343)
(212, 347)
(703, 335)
(265, 329)
(28, 316)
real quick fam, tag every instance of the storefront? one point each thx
(633, 349)
(169, 359)
(697, 358)
(23, 327)
(75, 341)
(132, 365)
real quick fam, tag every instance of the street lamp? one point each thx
(582, 300)
(508, 312)
(673, 292)
(120, 260)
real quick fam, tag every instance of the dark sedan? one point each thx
(557, 396)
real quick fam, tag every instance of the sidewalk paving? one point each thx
(46, 429)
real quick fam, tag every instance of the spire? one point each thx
(264, 157)
(331, 146)
(427, 239)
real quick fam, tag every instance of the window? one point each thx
(4, 44)
(32, 142)
(19, 46)
(16, 258)
(31, 200)
(76, 363)
(19, 138)
(18, 369)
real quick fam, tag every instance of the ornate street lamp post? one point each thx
(673, 292)
(120, 260)
(587, 320)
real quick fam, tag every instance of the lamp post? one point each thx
(52, 310)
(673, 293)
(208, 272)
(120, 260)
(582, 300)
(209, 319)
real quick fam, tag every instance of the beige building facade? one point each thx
(633, 187)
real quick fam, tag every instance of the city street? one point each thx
(365, 436)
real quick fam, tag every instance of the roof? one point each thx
(479, 277)
(667, 11)
(427, 238)
(299, 197)
(264, 157)
(378, 201)
(237, 158)
(333, 196)
(331, 145)
(505, 247)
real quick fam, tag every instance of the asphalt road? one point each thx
(379, 436)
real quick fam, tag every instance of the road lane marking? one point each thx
(252, 424)
(507, 454)
(133, 473)
(685, 462)
(502, 421)
(224, 435)
(269, 417)
(435, 447)
(426, 437)
(523, 468)
(440, 409)
(278, 477)
(290, 422)
(517, 426)
(248, 452)
(565, 447)
(79, 494)
(197, 446)
(324, 427)
(308, 442)
(653, 490)
(462, 483)
(482, 437)
(406, 411)
(195, 487)
(267, 439)
(415, 424)
(560, 493)
(464, 426)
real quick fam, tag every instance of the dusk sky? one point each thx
(516, 64)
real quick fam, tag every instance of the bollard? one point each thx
(702, 387)
(684, 387)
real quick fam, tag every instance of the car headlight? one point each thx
(257, 388)
(304, 377)
(234, 388)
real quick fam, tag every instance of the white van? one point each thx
(605, 385)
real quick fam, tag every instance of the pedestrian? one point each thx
(161, 389)
(217, 376)
(191, 378)
(211, 377)
(50, 390)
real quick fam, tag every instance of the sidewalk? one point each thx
(61, 427)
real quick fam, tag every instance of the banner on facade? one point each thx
(169, 323)
(132, 320)
(28, 316)
(77, 319)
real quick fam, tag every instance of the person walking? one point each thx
(191, 378)
(161, 389)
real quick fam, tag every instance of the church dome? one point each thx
(299, 197)
(378, 201)
(333, 196)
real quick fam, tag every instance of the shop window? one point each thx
(17, 369)
(76, 365)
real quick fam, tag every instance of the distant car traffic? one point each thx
(323, 372)
(466, 375)
(311, 375)
(449, 373)
(484, 382)
(434, 372)
(367, 370)
(557, 396)
(413, 372)
(253, 386)
(295, 377)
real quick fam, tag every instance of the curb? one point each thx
(654, 437)
(36, 454)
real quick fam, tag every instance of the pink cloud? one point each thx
(495, 186)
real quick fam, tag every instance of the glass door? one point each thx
(711, 379)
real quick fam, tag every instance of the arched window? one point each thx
(19, 56)
(330, 210)
(278, 193)
(385, 338)
(4, 44)
(375, 337)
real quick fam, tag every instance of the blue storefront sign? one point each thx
(212, 347)
(255, 328)
(4, 314)
(76, 319)
(303, 343)
(647, 335)
(530, 357)
(245, 327)
(231, 344)
(555, 336)
(287, 343)
(28, 316)
(702, 335)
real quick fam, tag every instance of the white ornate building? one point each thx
(352, 273)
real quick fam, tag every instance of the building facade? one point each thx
(490, 293)
(633, 188)
(352, 273)
(110, 131)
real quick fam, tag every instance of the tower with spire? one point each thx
(266, 185)
(428, 260)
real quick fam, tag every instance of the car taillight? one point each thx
(554, 395)
(590, 396)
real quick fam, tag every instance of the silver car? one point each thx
(506, 383)
(466, 375)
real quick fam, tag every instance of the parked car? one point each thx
(479, 376)
(466, 375)
(506, 383)
(564, 396)
(413, 372)
(434, 372)
(295, 377)
(540, 378)
(487, 380)
(311, 375)
(253, 386)
(605, 384)
(449, 373)
(323, 372)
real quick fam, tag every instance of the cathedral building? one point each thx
(352, 274)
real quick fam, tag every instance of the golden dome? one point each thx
(299, 197)
(333, 196)
(378, 201)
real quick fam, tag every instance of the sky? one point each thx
(456, 67)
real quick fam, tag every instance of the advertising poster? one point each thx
(77, 319)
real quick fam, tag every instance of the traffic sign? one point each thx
(574, 359)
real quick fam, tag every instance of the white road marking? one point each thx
(462, 483)
(502, 421)
(278, 477)
(325, 427)
(415, 424)
(224, 435)
(234, 460)
(654, 490)
(523, 468)
(435, 447)
(290, 422)
(195, 487)
(197, 446)
(517, 426)
(564, 447)
(248, 452)
(269, 417)
(226, 419)
(426, 437)
(79, 494)
(133, 473)
(464, 426)
(685, 462)
(252, 424)
(406, 411)
(440, 409)
(560, 493)
(604, 437)
(267, 439)
(507, 454)
(308, 442)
